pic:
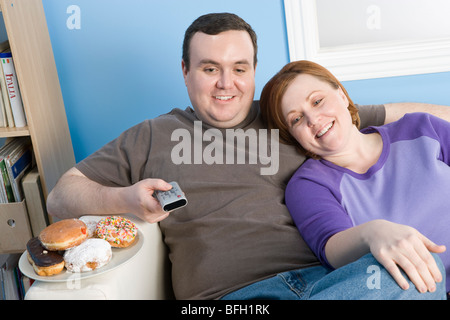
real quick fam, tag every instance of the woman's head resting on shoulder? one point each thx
(305, 102)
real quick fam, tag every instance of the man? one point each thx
(235, 232)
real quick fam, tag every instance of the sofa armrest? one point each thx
(145, 276)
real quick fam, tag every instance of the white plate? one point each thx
(119, 257)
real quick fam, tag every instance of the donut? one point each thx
(91, 224)
(90, 255)
(63, 234)
(118, 231)
(44, 262)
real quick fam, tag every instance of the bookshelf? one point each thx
(48, 129)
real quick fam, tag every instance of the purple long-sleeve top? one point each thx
(409, 184)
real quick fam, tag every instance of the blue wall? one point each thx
(124, 64)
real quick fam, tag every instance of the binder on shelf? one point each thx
(37, 211)
(12, 89)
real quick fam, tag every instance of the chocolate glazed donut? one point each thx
(44, 262)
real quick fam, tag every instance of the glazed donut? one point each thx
(118, 231)
(44, 262)
(63, 234)
(90, 255)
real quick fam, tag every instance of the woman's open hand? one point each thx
(398, 246)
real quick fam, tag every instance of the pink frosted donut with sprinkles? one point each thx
(118, 231)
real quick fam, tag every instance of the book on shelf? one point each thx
(13, 283)
(7, 119)
(3, 120)
(16, 158)
(12, 89)
(5, 106)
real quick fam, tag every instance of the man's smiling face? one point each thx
(221, 78)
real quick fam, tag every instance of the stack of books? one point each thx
(13, 283)
(12, 113)
(16, 158)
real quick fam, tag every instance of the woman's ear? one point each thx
(343, 96)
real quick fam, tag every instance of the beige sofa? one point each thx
(144, 276)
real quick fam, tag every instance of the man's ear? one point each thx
(184, 69)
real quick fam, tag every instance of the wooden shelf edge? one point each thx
(14, 132)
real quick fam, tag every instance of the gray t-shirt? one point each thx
(236, 229)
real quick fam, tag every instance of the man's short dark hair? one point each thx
(213, 24)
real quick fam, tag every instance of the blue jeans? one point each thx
(363, 279)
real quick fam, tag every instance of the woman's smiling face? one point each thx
(317, 115)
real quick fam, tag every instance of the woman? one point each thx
(383, 190)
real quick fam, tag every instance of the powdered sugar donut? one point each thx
(118, 231)
(90, 255)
